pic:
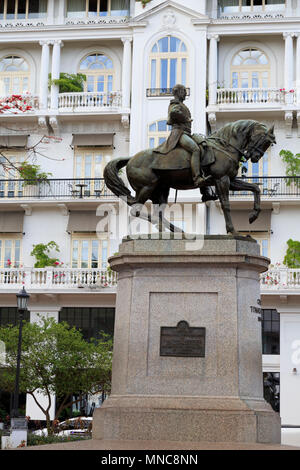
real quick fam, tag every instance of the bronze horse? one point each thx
(244, 139)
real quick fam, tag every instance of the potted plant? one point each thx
(32, 177)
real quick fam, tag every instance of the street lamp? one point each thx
(22, 301)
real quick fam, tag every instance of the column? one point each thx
(297, 88)
(57, 45)
(44, 74)
(288, 61)
(213, 68)
(126, 72)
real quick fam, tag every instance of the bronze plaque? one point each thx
(182, 341)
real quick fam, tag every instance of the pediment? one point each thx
(167, 5)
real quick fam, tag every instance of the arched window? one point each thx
(99, 72)
(14, 75)
(250, 68)
(168, 63)
(158, 132)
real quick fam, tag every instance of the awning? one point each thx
(13, 140)
(83, 221)
(11, 222)
(240, 219)
(93, 140)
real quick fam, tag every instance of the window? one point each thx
(22, 9)
(92, 8)
(90, 320)
(10, 316)
(9, 187)
(270, 331)
(90, 164)
(158, 132)
(14, 75)
(246, 6)
(250, 68)
(99, 72)
(168, 63)
(10, 251)
(89, 252)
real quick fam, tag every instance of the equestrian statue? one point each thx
(190, 161)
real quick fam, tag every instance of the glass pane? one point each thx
(183, 72)
(162, 126)
(173, 72)
(120, 7)
(235, 81)
(37, 8)
(104, 254)
(100, 83)
(92, 8)
(90, 83)
(163, 44)
(76, 8)
(1, 254)
(152, 142)
(153, 73)
(84, 253)
(152, 127)
(21, 9)
(255, 82)
(88, 166)
(98, 166)
(265, 248)
(154, 48)
(274, 5)
(75, 254)
(78, 166)
(103, 7)
(17, 253)
(164, 73)
(10, 12)
(1, 9)
(8, 253)
(95, 250)
(161, 140)
(174, 44)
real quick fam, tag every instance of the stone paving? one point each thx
(156, 445)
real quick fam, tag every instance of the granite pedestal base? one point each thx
(215, 398)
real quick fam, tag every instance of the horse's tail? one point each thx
(114, 182)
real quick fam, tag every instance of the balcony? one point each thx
(252, 12)
(272, 187)
(17, 104)
(57, 279)
(55, 189)
(254, 97)
(90, 102)
(280, 279)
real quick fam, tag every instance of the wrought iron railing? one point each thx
(273, 186)
(79, 188)
(154, 92)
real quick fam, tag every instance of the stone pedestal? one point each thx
(218, 397)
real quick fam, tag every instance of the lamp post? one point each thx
(22, 301)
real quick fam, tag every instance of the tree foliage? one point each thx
(69, 82)
(292, 166)
(56, 360)
(292, 257)
(41, 253)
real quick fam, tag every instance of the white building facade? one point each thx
(239, 60)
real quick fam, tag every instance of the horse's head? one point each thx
(260, 139)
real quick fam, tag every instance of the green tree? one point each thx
(41, 253)
(56, 360)
(292, 257)
(69, 82)
(292, 166)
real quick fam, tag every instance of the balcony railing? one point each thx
(89, 101)
(276, 11)
(272, 187)
(56, 278)
(252, 96)
(156, 92)
(80, 188)
(281, 278)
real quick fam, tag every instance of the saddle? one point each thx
(180, 159)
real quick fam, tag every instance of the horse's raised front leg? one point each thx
(240, 185)
(222, 187)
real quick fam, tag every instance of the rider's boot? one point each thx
(199, 179)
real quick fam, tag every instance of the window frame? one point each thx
(250, 69)
(96, 73)
(90, 237)
(22, 74)
(98, 15)
(270, 331)
(9, 186)
(12, 238)
(44, 15)
(158, 56)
